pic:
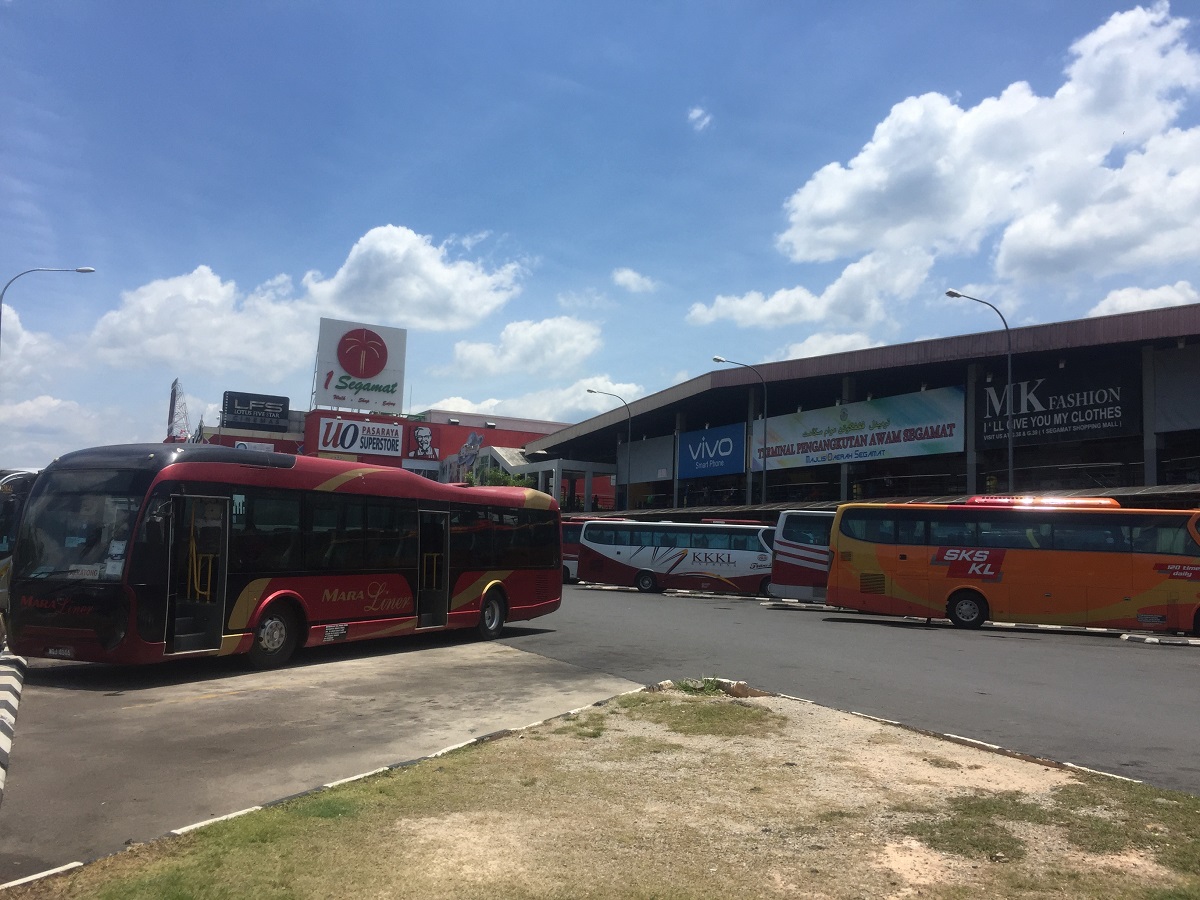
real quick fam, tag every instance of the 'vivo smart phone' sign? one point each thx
(713, 451)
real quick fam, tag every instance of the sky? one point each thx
(555, 196)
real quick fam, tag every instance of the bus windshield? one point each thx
(77, 524)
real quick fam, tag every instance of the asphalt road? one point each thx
(1091, 699)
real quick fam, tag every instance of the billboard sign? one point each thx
(360, 366)
(924, 423)
(713, 451)
(254, 412)
(350, 436)
(1062, 405)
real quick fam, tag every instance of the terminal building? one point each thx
(1105, 406)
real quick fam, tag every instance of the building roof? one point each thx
(720, 397)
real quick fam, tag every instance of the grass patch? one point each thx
(972, 826)
(588, 725)
(704, 687)
(702, 716)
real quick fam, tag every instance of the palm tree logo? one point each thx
(362, 353)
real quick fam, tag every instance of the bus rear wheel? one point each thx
(967, 609)
(764, 588)
(275, 638)
(491, 615)
(646, 582)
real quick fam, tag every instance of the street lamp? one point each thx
(628, 441)
(85, 270)
(721, 359)
(1008, 389)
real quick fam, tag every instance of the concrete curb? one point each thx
(12, 679)
(1136, 637)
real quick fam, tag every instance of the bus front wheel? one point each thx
(764, 588)
(275, 638)
(967, 609)
(491, 615)
(645, 582)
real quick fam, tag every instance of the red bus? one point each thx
(800, 555)
(571, 527)
(1084, 564)
(140, 553)
(657, 556)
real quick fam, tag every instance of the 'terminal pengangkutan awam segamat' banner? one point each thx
(924, 423)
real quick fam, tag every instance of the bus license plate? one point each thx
(61, 652)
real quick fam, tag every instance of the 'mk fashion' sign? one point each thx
(923, 423)
(360, 366)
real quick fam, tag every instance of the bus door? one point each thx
(196, 581)
(433, 582)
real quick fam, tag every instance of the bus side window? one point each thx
(911, 531)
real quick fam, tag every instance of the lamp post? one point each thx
(1008, 403)
(721, 359)
(84, 270)
(628, 441)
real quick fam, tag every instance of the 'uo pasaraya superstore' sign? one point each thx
(1059, 405)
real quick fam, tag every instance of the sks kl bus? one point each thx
(139, 553)
(1016, 560)
(800, 555)
(657, 556)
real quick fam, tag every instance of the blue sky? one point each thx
(552, 196)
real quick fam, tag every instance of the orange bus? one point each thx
(1083, 564)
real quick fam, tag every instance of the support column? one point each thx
(972, 452)
(1149, 420)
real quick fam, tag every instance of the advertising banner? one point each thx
(349, 436)
(713, 451)
(1062, 405)
(360, 366)
(254, 412)
(924, 423)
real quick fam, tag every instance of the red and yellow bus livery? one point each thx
(1084, 564)
(140, 553)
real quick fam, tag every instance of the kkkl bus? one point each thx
(800, 555)
(657, 556)
(1020, 561)
(140, 553)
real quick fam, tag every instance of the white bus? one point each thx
(658, 556)
(800, 557)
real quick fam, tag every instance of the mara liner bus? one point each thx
(800, 556)
(140, 553)
(657, 556)
(1083, 564)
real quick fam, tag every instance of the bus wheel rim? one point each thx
(272, 635)
(968, 610)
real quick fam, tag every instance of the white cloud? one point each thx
(396, 275)
(46, 425)
(26, 353)
(551, 345)
(1136, 299)
(633, 282)
(824, 343)
(202, 323)
(559, 404)
(585, 299)
(1094, 181)
(391, 276)
(699, 118)
(858, 297)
